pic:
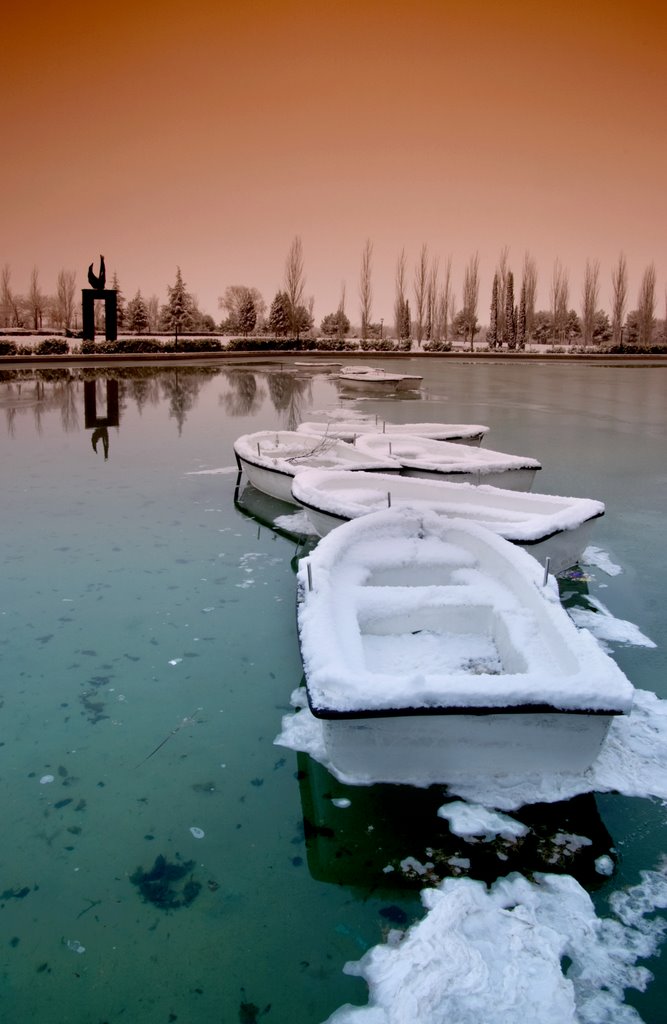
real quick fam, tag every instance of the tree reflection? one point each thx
(245, 397)
(288, 393)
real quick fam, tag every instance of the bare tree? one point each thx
(619, 285)
(341, 325)
(646, 306)
(36, 301)
(529, 288)
(399, 301)
(153, 309)
(420, 287)
(560, 291)
(6, 295)
(470, 298)
(65, 291)
(295, 282)
(366, 287)
(589, 300)
(236, 297)
(431, 327)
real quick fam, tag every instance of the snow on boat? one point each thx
(442, 460)
(349, 430)
(546, 525)
(431, 648)
(375, 377)
(272, 458)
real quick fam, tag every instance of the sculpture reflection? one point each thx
(100, 424)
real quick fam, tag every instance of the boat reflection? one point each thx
(390, 837)
(293, 523)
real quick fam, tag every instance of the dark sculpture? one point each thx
(97, 282)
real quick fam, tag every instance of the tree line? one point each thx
(433, 319)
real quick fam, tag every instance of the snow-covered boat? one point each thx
(376, 378)
(350, 429)
(272, 458)
(432, 649)
(546, 525)
(442, 460)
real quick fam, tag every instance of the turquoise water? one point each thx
(148, 652)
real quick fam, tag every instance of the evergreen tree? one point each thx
(492, 333)
(180, 312)
(247, 315)
(279, 316)
(137, 314)
(120, 301)
(510, 326)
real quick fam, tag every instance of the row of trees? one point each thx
(433, 319)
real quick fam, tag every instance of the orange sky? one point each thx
(207, 135)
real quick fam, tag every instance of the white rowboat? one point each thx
(432, 649)
(442, 460)
(546, 525)
(272, 458)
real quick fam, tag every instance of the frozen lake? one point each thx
(163, 860)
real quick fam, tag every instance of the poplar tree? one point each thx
(619, 284)
(492, 333)
(646, 306)
(521, 319)
(510, 325)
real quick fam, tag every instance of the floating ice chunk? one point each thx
(599, 621)
(46, 779)
(175, 661)
(75, 946)
(212, 472)
(198, 833)
(341, 801)
(601, 560)
(475, 821)
(604, 865)
(298, 522)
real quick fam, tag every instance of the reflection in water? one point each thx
(92, 417)
(245, 396)
(391, 837)
(287, 393)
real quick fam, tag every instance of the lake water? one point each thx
(148, 652)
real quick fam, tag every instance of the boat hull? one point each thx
(430, 749)
(563, 547)
(271, 481)
(509, 479)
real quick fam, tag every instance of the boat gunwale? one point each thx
(513, 540)
(479, 711)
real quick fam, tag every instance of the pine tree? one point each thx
(279, 316)
(137, 314)
(247, 315)
(492, 333)
(179, 313)
(120, 301)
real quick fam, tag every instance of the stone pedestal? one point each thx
(109, 297)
